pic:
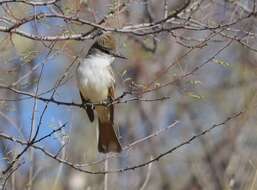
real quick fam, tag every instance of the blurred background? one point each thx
(194, 70)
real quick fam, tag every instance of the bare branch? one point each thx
(155, 159)
(32, 3)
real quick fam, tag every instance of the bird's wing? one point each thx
(89, 108)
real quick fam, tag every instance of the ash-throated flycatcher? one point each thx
(96, 84)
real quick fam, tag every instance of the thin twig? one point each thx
(148, 175)
(106, 168)
(121, 170)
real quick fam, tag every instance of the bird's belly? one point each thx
(94, 83)
(93, 93)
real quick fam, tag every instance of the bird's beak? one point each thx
(118, 55)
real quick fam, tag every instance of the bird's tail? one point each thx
(107, 141)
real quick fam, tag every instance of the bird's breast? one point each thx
(95, 77)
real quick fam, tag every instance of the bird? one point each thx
(96, 84)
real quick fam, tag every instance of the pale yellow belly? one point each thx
(94, 82)
(94, 93)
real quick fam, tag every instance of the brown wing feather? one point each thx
(111, 98)
(89, 109)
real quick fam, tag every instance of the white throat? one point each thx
(100, 59)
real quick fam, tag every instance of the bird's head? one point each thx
(105, 43)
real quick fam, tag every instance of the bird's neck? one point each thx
(98, 58)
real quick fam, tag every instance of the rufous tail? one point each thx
(107, 141)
